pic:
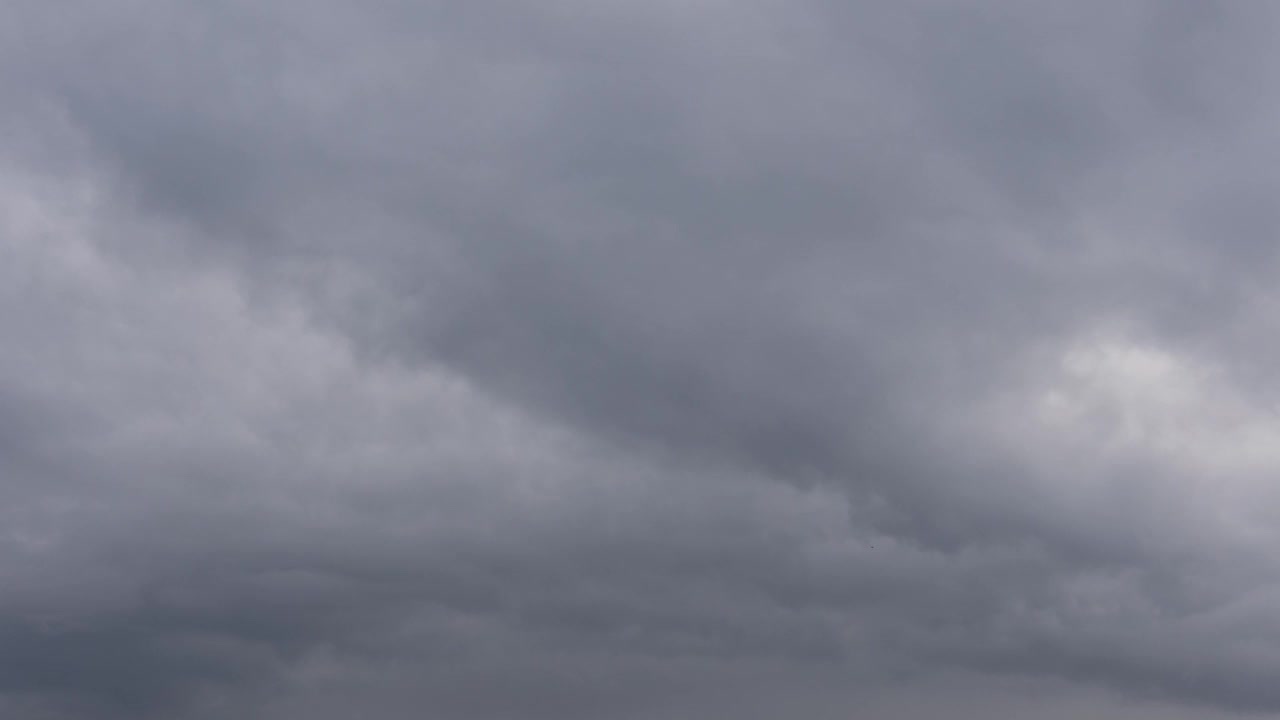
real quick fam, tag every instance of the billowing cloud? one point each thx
(637, 360)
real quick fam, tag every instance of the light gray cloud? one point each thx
(637, 360)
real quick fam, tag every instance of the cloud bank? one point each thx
(638, 360)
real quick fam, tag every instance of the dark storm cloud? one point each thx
(649, 360)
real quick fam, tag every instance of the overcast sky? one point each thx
(639, 360)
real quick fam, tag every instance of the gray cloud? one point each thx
(636, 360)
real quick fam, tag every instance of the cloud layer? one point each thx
(638, 360)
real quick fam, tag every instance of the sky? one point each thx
(622, 360)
